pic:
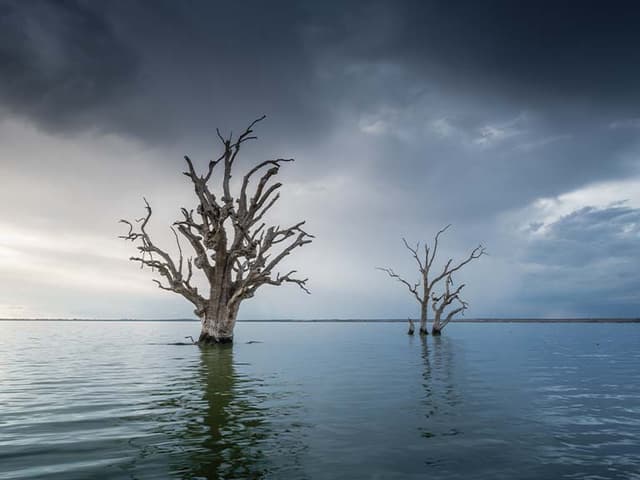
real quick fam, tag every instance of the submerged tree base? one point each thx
(435, 332)
(206, 339)
(424, 331)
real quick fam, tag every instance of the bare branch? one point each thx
(250, 209)
(435, 245)
(461, 309)
(448, 269)
(288, 278)
(412, 288)
(212, 165)
(163, 263)
(180, 261)
(414, 252)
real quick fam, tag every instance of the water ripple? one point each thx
(116, 401)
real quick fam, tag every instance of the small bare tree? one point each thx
(233, 247)
(422, 289)
(442, 302)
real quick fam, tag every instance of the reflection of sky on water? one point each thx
(319, 401)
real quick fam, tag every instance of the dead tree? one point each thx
(422, 289)
(232, 246)
(442, 302)
(412, 327)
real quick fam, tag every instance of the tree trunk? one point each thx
(220, 316)
(436, 329)
(217, 325)
(423, 319)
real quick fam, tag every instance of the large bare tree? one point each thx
(232, 245)
(428, 279)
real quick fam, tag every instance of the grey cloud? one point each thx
(587, 262)
(625, 123)
(561, 52)
(60, 62)
(303, 60)
(162, 70)
(581, 238)
(154, 70)
(480, 65)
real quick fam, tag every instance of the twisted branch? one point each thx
(413, 288)
(163, 263)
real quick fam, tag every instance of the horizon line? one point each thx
(349, 320)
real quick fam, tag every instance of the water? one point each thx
(108, 400)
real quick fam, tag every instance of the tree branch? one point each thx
(163, 262)
(414, 252)
(412, 288)
(463, 306)
(435, 245)
(448, 270)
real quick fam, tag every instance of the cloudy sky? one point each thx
(517, 122)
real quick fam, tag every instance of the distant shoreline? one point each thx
(337, 320)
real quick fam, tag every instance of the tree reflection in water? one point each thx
(441, 399)
(226, 429)
(227, 425)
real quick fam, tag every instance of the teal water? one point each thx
(109, 400)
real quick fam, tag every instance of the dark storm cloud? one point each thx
(60, 62)
(528, 91)
(209, 64)
(561, 50)
(155, 70)
(162, 68)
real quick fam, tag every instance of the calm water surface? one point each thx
(94, 400)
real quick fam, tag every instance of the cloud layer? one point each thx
(516, 123)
